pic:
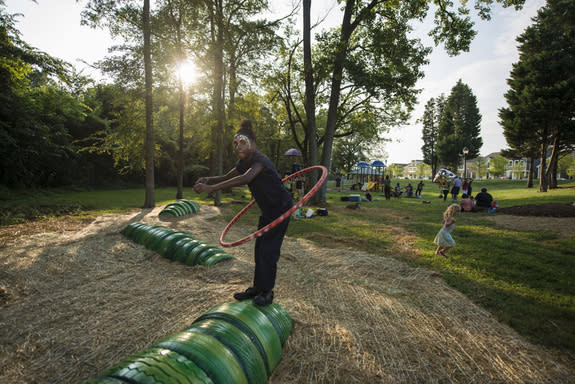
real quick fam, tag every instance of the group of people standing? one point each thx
(459, 185)
(482, 201)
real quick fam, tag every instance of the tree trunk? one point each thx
(150, 200)
(543, 181)
(309, 95)
(552, 164)
(434, 164)
(530, 172)
(219, 94)
(179, 193)
(182, 108)
(346, 31)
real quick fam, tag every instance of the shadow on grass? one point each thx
(519, 278)
(549, 324)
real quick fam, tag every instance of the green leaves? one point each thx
(459, 127)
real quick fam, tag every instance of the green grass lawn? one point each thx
(524, 278)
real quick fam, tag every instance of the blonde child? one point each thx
(443, 238)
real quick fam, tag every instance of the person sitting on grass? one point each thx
(483, 200)
(398, 191)
(467, 204)
(409, 190)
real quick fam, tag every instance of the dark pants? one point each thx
(387, 191)
(267, 254)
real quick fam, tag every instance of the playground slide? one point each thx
(369, 186)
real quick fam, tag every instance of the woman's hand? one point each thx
(202, 180)
(201, 187)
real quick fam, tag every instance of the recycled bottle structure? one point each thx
(175, 245)
(181, 208)
(237, 342)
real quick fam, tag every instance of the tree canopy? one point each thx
(449, 126)
(361, 76)
(430, 120)
(540, 117)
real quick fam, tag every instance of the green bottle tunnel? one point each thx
(175, 245)
(239, 343)
(181, 208)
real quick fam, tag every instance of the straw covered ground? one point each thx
(79, 297)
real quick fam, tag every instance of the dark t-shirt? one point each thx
(483, 199)
(267, 188)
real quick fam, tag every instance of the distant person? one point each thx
(398, 191)
(409, 190)
(387, 187)
(456, 188)
(419, 189)
(466, 203)
(443, 239)
(465, 188)
(338, 182)
(444, 189)
(483, 199)
(368, 196)
(470, 189)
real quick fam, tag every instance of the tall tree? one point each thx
(374, 49)
(448, 143)
(431, 119)
(542, 89)
(37, 111)
(234, 43)
(309, 103)
(150, 200)
(460, 126)
(131, 21)
(175, 22)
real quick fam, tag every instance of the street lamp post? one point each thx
(465, 152)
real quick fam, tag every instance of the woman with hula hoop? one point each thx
(258, 172)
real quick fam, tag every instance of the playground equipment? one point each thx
(181, 208)
(282, 217)
(175, 245)
(368, 177)
(370, 186)
(231, 343)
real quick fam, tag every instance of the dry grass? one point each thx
(80, 299)
(565, 226)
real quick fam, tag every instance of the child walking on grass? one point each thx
(443, 238)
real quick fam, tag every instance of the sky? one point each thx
(53, 26)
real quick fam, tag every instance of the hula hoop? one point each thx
(283, 216)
